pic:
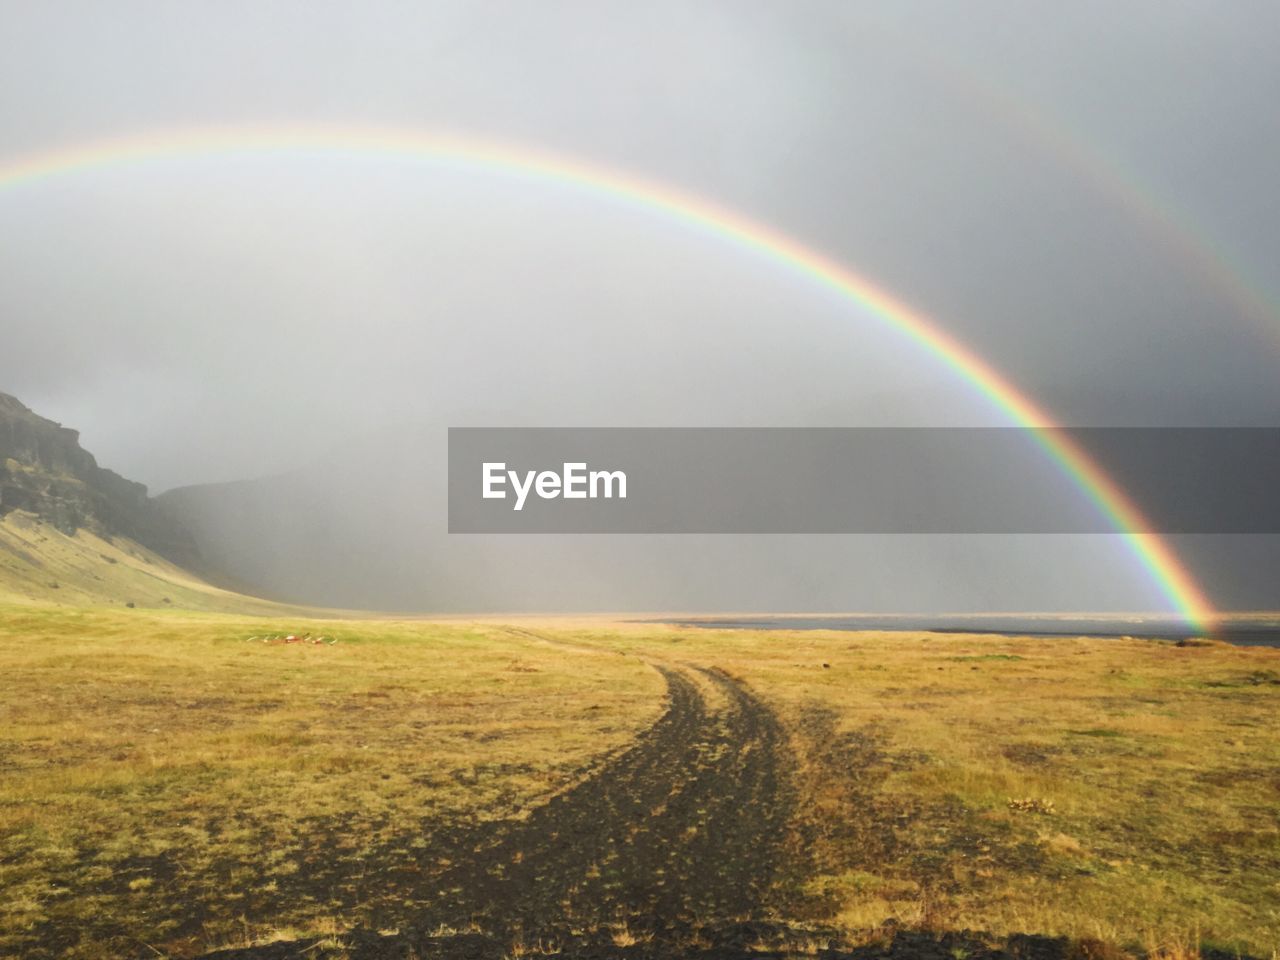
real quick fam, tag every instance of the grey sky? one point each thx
(209, 320)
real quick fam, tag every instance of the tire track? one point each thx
(679, 832)
(682, 828)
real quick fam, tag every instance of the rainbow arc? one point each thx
(1152, 551)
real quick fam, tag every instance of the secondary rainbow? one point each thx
(1107, 173)
(1174, 581)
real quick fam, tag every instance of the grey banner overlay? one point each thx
(861, 480)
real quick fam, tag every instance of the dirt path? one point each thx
(680, 829)
(678, 832)
(677, 848)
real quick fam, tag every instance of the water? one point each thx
(1245, 631)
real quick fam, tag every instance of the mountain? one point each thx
(365, 526)
(45, 472)
(72, 531)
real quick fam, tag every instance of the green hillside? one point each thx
(39, 563)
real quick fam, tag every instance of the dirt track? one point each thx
(675, 848)
(679, 831)
(681, 828)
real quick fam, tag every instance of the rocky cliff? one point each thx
(44, 471)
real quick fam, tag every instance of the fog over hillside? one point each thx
(1084, 195)
(366, 527)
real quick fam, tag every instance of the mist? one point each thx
(1084, 196)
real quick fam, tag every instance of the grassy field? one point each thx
(156, 767)
(169, 785)
(1120, 790)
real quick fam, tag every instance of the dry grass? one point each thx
(1123, 791)
(158, 764)
(39, 565)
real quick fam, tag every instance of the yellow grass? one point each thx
(128, 735)
(39, 564)
(1119, 790)
(1159, 767)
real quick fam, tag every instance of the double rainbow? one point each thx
(1173, 579)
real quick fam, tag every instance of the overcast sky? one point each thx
(1085, 193)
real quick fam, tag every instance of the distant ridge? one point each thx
(74, 532)
(44, 471)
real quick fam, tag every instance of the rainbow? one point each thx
(1174, 581)
(1109, 175)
